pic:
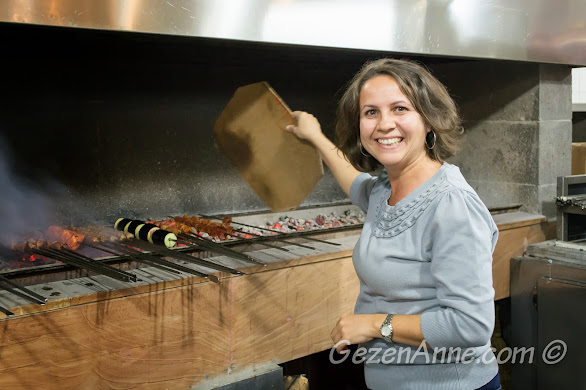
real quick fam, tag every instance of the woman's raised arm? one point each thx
(308, 128)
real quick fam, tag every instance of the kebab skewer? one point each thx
(146, 231)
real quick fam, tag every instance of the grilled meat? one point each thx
(215, 229)
(57, 234)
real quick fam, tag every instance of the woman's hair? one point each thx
(428, 96)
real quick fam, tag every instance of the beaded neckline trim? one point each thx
(399, 219)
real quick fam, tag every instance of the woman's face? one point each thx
(391, 130)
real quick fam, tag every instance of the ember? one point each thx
(29, 258)
(23, 260)
(287, 224)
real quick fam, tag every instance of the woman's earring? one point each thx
(362, 149)
(428, 139)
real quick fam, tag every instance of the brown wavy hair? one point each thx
(428, 96)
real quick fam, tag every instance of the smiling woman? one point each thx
(424, 257)
(391, 130)
(418, 89)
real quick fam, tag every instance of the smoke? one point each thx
(26, 207)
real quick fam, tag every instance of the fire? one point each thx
(29, 258)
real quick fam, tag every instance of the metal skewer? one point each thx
(288, 234)
(56, 255)
(7, 312)
(215, 247)
(153, 260)
(182, 256)
(256, 241)
(85, 264)
(140, 259)
(147, 257)
(110, 251)
(23, 295)
(310, 238)
(31, 295)
(126, 276)
(267, 237)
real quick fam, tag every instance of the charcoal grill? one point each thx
(251, 245)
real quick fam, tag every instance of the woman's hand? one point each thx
(356, 328)
(360, 328)
(307, 126)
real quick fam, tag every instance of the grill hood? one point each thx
(521, 30)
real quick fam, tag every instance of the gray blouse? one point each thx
(430, 254)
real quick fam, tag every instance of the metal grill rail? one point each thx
(155, 256)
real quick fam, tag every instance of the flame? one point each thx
(29, 258)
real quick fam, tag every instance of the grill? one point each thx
(194, 255)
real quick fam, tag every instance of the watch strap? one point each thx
(387, 323)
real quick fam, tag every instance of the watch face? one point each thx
(385, 331)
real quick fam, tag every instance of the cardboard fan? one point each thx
(250, 132)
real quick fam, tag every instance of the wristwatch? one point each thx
(386, 329)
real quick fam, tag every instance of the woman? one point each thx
(424, 257)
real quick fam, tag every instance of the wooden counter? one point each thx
(169, 333)
(172, 334)
(516, 231)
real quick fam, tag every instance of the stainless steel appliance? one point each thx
(548, 294)
(571, 210)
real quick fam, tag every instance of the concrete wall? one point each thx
(518, 130)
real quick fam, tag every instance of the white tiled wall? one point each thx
(579, 85)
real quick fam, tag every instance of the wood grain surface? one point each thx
(175, 338)
(517, 230)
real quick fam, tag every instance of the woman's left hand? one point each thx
(356, 328)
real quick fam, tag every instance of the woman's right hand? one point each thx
(307, 127)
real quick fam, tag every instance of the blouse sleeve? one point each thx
(360, 190)
(462, 236)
